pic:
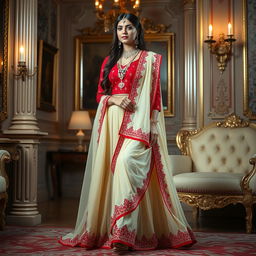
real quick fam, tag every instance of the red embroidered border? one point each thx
(130, 132)
(127, 114)
(156, 78)
(125, 236)
(116, 153)
(103, 111)
(133, 94)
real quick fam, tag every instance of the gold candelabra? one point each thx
(118, 6)
(222, 48)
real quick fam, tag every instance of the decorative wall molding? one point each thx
(221, 100)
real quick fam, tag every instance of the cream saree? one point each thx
(128, 194)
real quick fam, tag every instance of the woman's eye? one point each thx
(119, 28)
(129, 28)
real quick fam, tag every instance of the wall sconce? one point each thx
(222, 48)
(22, 67)
(80, 120)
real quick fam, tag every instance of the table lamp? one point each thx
(80, 120)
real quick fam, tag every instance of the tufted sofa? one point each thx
(4, 156)
(217, 166)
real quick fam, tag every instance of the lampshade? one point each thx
(80, 120)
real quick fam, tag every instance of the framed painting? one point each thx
(90, 52)
(47, 65)
(4, 14)
(249, 13)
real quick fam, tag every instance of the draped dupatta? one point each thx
(118, 175)
(136, 125)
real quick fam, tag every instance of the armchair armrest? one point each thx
(245, 182)
(4, 157)
(180, 164)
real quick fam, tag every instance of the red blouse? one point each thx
(127, 80)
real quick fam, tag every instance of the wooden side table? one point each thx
(55, 161)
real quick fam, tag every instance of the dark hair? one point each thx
(116, 51)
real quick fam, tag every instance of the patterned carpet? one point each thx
(43, 241)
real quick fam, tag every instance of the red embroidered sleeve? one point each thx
(100, 90)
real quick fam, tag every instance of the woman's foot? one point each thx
(120, 249)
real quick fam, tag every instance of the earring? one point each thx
(119, 44)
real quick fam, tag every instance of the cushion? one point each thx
(223, 150)
(206, 182)
(2, 184)
(180, 164)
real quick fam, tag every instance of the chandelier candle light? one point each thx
(222, 48)
(118, 6)
(80, 120)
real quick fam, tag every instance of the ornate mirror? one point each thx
(4, 14)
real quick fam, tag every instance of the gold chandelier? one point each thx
(118, 6)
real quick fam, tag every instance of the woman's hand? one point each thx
(153, 132)
(122, 101)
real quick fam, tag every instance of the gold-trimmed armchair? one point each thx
(214, 169)
(4, 182)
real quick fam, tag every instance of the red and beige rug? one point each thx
(44, 241)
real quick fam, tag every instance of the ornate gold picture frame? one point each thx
(47, 77)
(90, 52)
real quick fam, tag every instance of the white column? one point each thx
(24, 126)
(24, 118)
(190, 93)
(24, 189)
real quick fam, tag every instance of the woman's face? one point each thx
(126, 32)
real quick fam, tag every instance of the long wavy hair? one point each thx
(116, 50)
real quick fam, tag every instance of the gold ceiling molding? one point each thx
(148, 25)
(233, 121)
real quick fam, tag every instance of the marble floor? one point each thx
(62, 213)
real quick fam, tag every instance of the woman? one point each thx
(128, 199)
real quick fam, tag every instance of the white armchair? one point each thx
(214, 170)
(4, 182)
